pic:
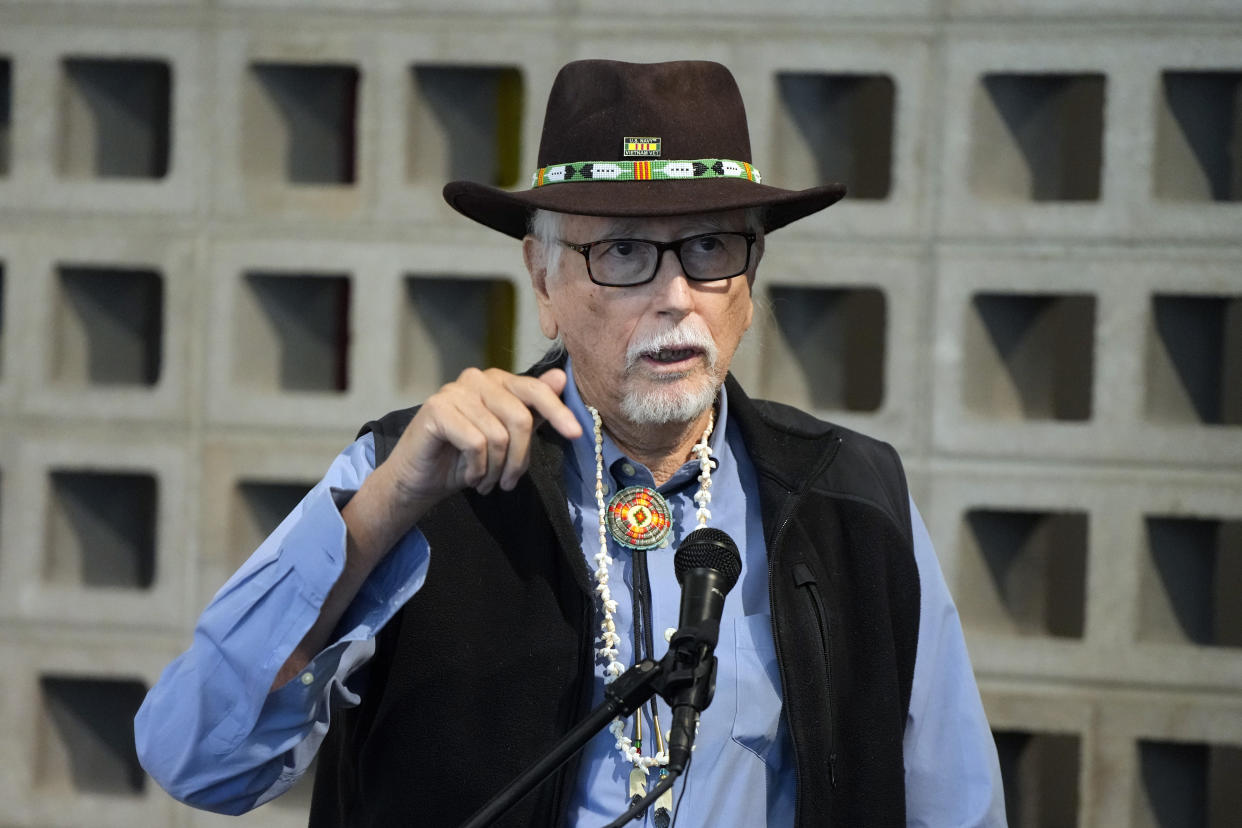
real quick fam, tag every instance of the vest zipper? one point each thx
(776, 645)
(787, 513)
(804, 579)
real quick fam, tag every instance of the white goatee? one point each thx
(672, 404)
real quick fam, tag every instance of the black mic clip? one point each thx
(689, 685)
(689, 672)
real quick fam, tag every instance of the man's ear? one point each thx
(536, 259)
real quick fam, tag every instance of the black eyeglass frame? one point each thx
(674, 245)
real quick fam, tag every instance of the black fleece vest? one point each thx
(483, 670)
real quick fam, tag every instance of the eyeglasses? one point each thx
(707, 257)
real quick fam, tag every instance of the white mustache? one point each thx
(687, 336)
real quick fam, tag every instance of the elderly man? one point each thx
(455, 594)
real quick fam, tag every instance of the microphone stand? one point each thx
(678, 670)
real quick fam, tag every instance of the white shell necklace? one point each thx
(608, 639)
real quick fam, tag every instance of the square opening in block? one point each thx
(258, 508)
(87, 735)
(293, 332)
(1038, 137)
(101, 529)
(1024, 572)
(6, 112)
(1188, 783)
(300, 124)
(109, 326)
(1030, 356)
(1040, 772)
(450, 324)
(2, 311)
(465, 123)
(1190, 581)
(115, 118)
(1199, 137)
(824, 347)
(1194, 359)
(833, 128)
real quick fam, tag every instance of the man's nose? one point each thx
(671, 281)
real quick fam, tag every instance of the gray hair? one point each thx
(545, 226)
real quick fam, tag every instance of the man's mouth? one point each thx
(666, 356)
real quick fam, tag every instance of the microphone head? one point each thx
(708, 548)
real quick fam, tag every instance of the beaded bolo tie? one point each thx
(639, 518)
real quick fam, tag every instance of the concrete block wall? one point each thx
(222, 248)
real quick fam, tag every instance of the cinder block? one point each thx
(1041, 773)
(102, 531)
(794, 10)
(115, 118)
(1037, 137)
(421, 145)
(295, 113)
(12, 292)
(1024, 571)
(299, 124)
(6, 113)
(104, 120)
(783, 124)
(449, 324)
(1024, 127)
(1168, 760)
(1189, 579)
(1131, 632)
(382, 331)
(109, 326)
(112, 325)
(994, 158)
(73, 756)
(1030, 356)
(1198, 114)
(1184, 75)
(826, 347)
(3, 326)
(465, 123)
(1045, 741)
(1051, 10)
(800, 352)
(90, 743)
(1194, 782)
(503, 7)
(1042, 355)
(293, 330)
(1194, 359)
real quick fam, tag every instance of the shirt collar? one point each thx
(627, 472)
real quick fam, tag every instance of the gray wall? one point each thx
(222, 248)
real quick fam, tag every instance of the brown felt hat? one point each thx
(612, 139)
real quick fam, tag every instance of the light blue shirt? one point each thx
(212, 735)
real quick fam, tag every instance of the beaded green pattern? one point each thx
(644, 171)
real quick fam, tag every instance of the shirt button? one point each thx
(627, 470)
(308, 678)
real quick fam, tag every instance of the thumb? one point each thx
(555, 379)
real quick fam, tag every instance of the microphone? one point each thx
(708, 565)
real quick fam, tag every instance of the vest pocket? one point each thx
(756, 721)
(804, 579)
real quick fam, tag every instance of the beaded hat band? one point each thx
(644, 171)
